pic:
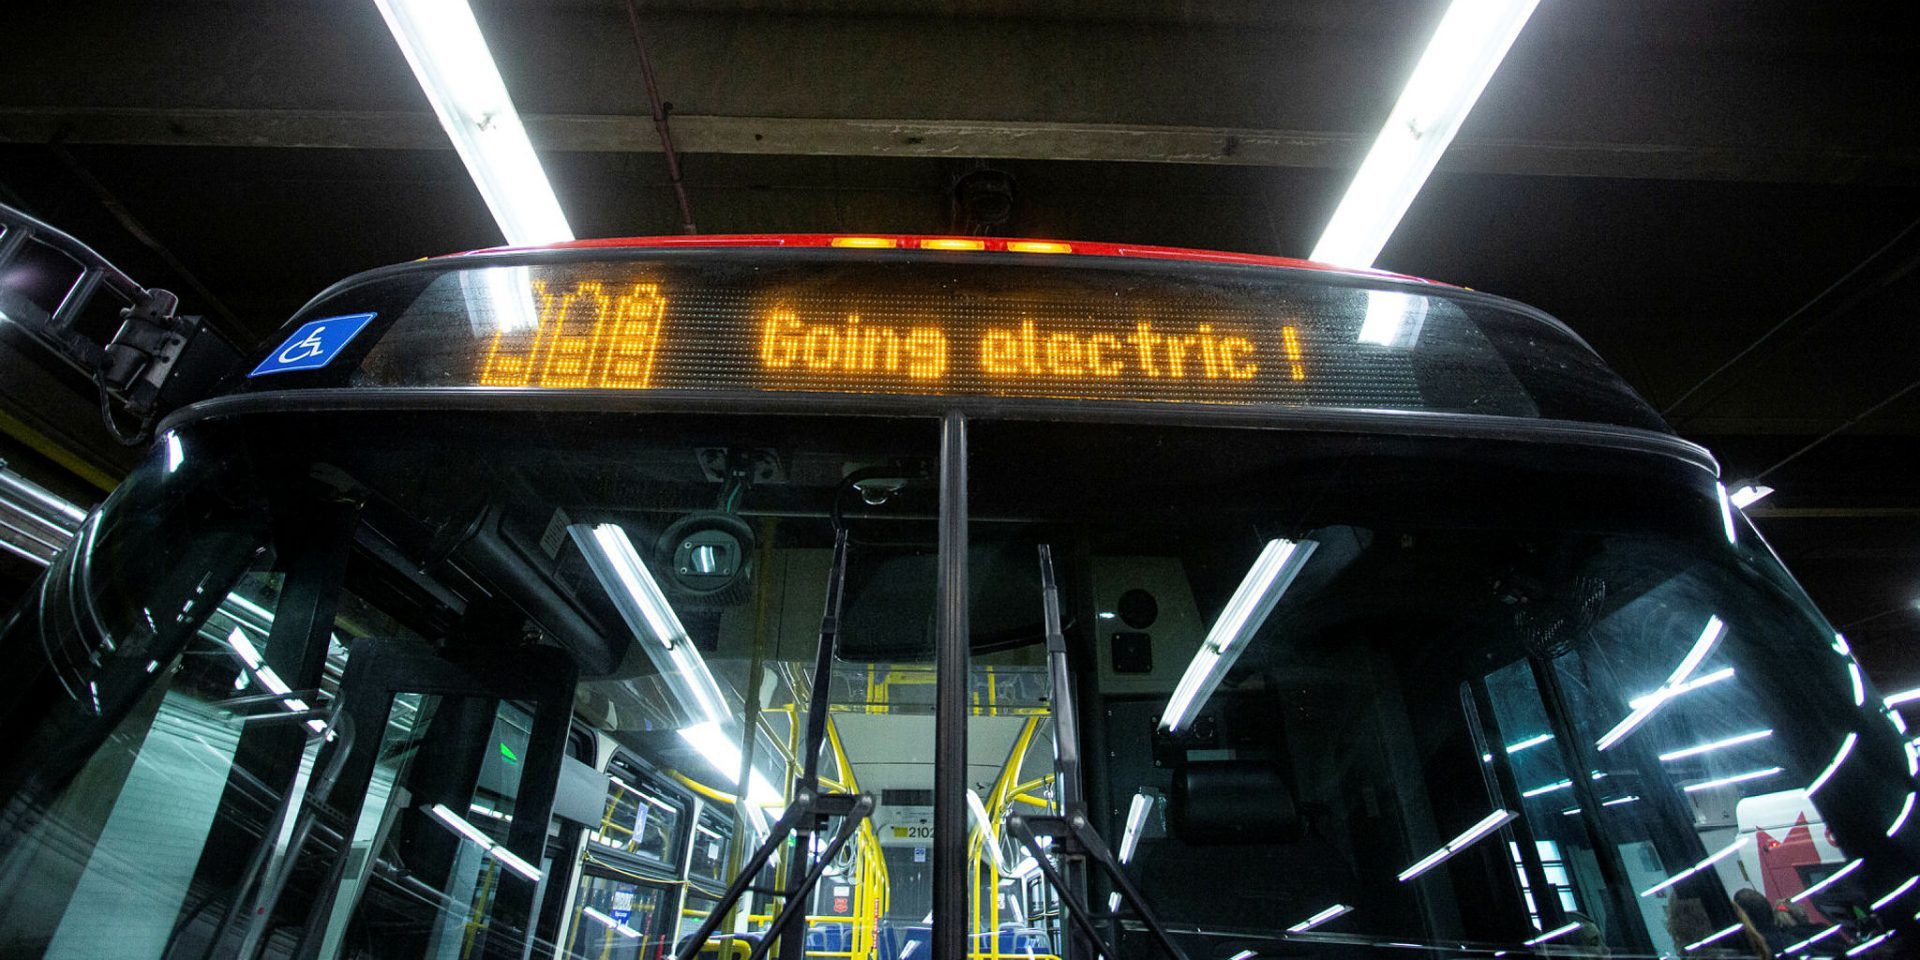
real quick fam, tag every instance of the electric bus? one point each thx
(924, 598)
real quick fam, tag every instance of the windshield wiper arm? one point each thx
(1074, 838)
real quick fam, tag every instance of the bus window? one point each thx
(1419, 691)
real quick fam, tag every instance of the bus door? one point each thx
(447, 774)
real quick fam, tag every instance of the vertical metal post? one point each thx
(951, 654)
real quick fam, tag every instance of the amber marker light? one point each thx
(952, 243)
(866, 243)
(1038, 246)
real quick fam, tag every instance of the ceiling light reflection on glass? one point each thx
(1839, 757)
(1279, 562)
(1732, 741)
(1677, 683)
(1331, 913)
(1831, 879)
(1711, 859)
(1491, 822)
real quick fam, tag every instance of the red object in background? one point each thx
(1781, 860)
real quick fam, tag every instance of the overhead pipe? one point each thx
(660, 121)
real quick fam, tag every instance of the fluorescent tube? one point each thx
(449, 57)
(1330, 913)
(618, 927)
(715, 744)
(1732, 741)
(1712, 859)
(1552, 934)
(1488, 824)
(1729, 781)
(1279, 562)
(1839, 757)
(1136, 821)
(1895, 893)
(1831, 879)
(1462, 56)
(1900, 819)
(507, 858)
(647, 613)
(1677, 683)
(1709, 938)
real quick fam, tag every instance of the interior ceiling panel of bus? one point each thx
(1673, 180)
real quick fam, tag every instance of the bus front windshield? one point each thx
(452, 684)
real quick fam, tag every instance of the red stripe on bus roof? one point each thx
(913, 241)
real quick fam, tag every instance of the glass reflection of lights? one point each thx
(1556, 932)
(1839, 757)
(617, 927)
(1900, 819)
(1491, 822)
(1280, 561)
(1549, 788)
(1718, 935)
(1868, 944)
(1731, 780)
(1831, 879)
(1732, 741)
(1726, 512)
(1896, 892)
(1136, 821)
(1810, 941)
(1724, 852)
(1330, 913)
(1677, 683)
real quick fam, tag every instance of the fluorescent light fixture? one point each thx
(1729, 781)
(717, 745)
(1393, 318)
(1831, 879)
(1280, 561)
(1859, 685)
(1749, 494)
(1899, 722)
(1244, 955)
(1551, 934)
(1330, 913)
(1726, 512)
(1712, 859)
(1709, 938)
(644, 607)
(1136, 821)
(1900, 819)
(1465, 51)
(1488, 824)
(1868, 944)
(268, 677)
(1732, 741)
(1839, 757)
(507, 858)
(1895, 893)
(449, 57)
(1026, 868)
(1840, 645)
(1113, 902)
(618, 927)
(1615, 802)
(1527, 744)
(176, 454)
(1549, 788)
(1644, 706)
(1810, 941)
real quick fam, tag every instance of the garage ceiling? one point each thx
(1674, 180)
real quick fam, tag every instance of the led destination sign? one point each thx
(633, 336)
(913, 328)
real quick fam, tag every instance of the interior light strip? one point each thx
(1136, 821)
(1712, 859)
(1895, 893)
(1900, 820)
(1643, 707)
(1810, 941)
(618, 927)
(1549, 788)
(449, 57)
(1732, 741)
(712, 741)
(1491, 822)
(1330, 913)
(1697, 944)
(647, 613)
(1729, 781)
(1279, 562)
(1839, 757)
(1831, 879)
(1472, 39)
(1868, 944)
(1859, 685)
(1726, 512)
(1904, 696)
(1552, 934)
(507, 858)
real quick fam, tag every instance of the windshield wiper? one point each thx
(806, 815)
(1073, 837)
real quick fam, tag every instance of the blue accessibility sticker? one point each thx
(314, 345)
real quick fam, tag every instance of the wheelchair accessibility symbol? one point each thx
(314, 345)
